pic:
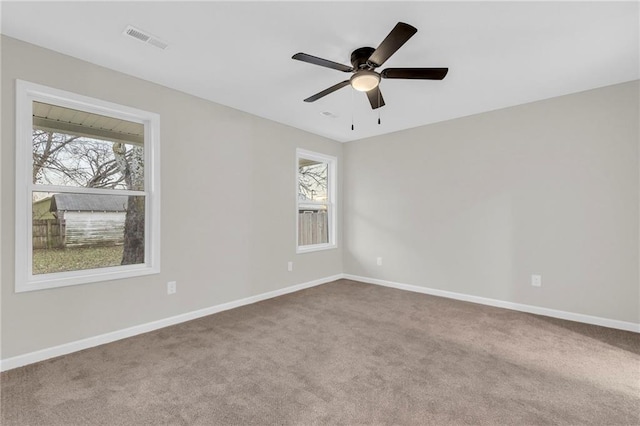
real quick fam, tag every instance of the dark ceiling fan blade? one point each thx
(322, 62)
(375, 98)
(415, 73)
(396, 38)
(325, 92)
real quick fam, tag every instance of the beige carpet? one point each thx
(342, 353)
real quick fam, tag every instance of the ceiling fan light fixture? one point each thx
(365, 80)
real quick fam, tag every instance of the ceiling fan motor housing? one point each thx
(360, 58)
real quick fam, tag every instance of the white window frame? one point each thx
(331, 203)
(26, 94)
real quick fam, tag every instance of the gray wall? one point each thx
(473, 205)
(478, 204)
(228, 209)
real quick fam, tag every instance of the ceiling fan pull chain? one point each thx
(378, 106)
(352, 109)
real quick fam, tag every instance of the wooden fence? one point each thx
(48, 233)
(313, 228)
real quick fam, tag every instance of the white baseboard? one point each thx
(588, 319)
(41, 355)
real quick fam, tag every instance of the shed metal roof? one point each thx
(89, 202)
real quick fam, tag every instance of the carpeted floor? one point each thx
(342, 353)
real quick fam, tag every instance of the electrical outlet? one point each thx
(171, 287)
(289, 266)
(536, 280)
(379, 261)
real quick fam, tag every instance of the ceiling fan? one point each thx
(364, 62)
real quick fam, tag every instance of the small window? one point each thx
(87, 189)
(316, 206)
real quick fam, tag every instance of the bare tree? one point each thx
(131, 165)
(312, 179)
(61, 159)
(47, 146)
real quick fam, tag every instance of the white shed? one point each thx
(91, 220)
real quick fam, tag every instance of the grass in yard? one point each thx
(46, 261)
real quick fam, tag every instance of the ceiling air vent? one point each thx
(145, 37)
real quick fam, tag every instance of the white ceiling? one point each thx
(238, 54)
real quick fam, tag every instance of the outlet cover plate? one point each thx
(536, 280)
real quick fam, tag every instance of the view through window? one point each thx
(74, 230)
(315, 200)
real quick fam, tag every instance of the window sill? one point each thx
(64, 279)
(315, 247)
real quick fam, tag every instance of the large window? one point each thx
(87, 189)
(316, 203)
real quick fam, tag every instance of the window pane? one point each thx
(312, 180)
(81, 149)
(72, 232)
(313, 224)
